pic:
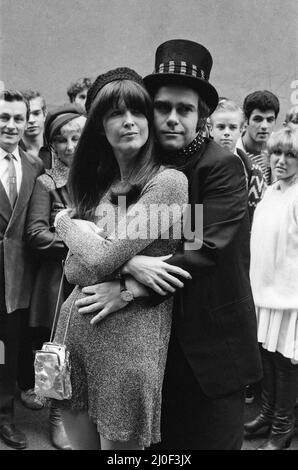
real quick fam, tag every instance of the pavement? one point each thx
(35, 425)
(251, 411)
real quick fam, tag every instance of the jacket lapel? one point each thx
(28, 180)
(6, 209)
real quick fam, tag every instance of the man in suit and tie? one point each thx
(18, 172)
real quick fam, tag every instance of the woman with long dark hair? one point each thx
(122, 206)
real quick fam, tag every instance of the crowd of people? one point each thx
(168, 329)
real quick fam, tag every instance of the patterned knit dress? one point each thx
(118, 364)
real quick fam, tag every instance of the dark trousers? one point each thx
(280, 389)
(32, 339)
(12, 326)
(190, 419)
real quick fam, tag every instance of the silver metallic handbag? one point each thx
(52, 363)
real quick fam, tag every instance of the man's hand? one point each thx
(102, 299)
(154, 272)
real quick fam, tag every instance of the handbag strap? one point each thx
(58, 302)
(68, 320)
(57, 307)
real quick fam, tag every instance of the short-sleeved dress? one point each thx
(118, 364)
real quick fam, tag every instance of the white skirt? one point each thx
(278, 331)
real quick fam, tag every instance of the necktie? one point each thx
(12, 180)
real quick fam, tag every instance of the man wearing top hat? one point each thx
(213, 351)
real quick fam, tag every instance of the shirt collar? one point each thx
(183, 157)
(193, 147)
(15, 153)
(23, 146)
(239, 145)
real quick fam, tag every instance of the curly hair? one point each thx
(78, 86)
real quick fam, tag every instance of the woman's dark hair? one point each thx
(94, 166)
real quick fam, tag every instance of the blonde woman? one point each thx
(274, 280)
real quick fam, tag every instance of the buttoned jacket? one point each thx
(214, 315)
(16, 260)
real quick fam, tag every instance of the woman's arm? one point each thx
(224, 208)
(100, 257)
(38, 231)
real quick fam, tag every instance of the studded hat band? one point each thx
(181, 68)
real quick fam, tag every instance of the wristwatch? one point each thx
(125, 294)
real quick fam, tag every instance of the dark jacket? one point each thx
(42, 238)
(16, 261)
(214, 315)
(44, 154)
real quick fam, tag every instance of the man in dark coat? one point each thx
(34, 142)
(213, 350)
(18, 173)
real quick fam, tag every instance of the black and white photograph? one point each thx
(148, 227)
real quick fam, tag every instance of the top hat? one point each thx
(183, 62)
